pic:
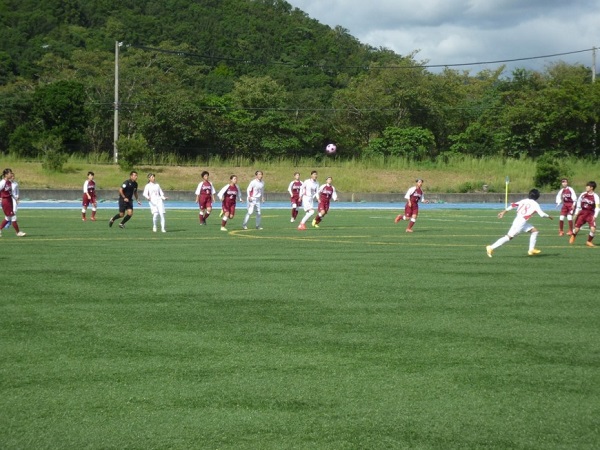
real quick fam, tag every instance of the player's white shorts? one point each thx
(157, 206)
(519, 225)
(254, 204)
(307, 203)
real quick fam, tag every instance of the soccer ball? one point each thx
(330, 149)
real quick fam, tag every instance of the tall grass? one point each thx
(454, 173)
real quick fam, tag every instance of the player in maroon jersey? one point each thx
(413, 196)
(6, 196)
(294, 189)
(205, 196)
(230, 194)
(566, 195)
(326, 194)
(588, 207)
(89, 196)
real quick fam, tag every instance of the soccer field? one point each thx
(355, 335)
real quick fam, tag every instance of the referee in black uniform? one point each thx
(127, 192)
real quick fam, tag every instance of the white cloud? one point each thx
(467, 31)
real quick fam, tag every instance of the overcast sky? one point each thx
(467, 31)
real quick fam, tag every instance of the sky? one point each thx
(449, 32)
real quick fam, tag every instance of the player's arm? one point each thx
(221, 193)
(507, 209)
(578, 204)
(122, 194)
(85, 189)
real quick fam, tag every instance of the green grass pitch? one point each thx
(353, 336)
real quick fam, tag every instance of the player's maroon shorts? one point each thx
(87, 202)
(410, 211)
(295, 200)
(205, 202)
(324, 206)
(229, 207)
(7, 207)
(584, 217)
(567, 208)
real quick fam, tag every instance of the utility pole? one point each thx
(116, 106)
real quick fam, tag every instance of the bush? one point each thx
(549, 171)
(132, 151)
(53, 155)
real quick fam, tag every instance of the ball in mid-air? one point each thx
(330, 149)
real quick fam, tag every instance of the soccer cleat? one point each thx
(570, 233)
(223, 229)
(398, 218)
(409, 230)
(93, 219)
(244, 227)
(154, 229)
(121, 225)
(489, 250)
(572, 239)
(110, 222)
(221, 213)
(590, 244)
(302, 227)
(21, 234)
(163, 230)
(292, 220)
(314, 223)
(259, 228)
(535, 251)
(561, 233)
(83, 219)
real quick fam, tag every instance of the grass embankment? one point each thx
(459, 174)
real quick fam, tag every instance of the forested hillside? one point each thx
(260, 79)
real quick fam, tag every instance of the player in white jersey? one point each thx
(525, 209)
(309, 192)
(155, 196)
(567, 198)
(15, 199)
(255, 196)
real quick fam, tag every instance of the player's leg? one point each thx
(532, 241)
(224, 218)
(126, 217)
(258, 216)
(248, 214)
(162, 221)
(561, 224)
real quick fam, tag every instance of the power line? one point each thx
(326, 66)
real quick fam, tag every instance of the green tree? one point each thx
(60, 109)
